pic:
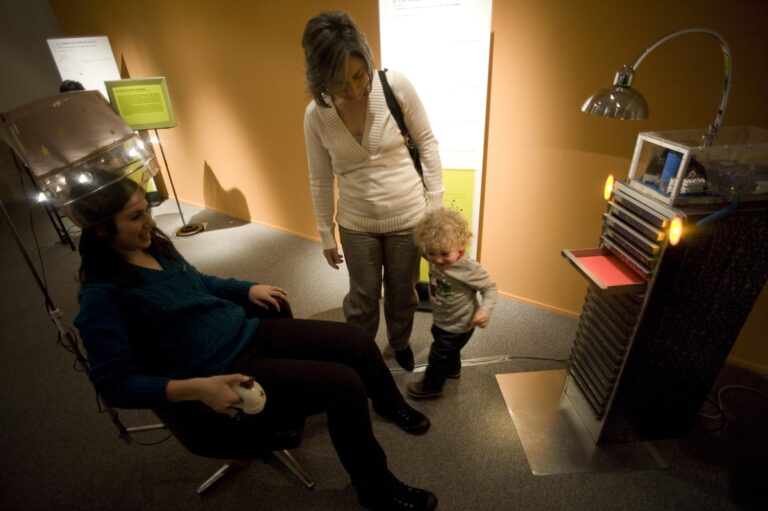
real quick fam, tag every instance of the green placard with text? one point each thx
(143, 103)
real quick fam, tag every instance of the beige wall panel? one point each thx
(235, 73)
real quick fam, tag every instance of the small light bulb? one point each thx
(608, 190)
(41, 197)
(675, 230)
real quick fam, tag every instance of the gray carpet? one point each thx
(58, 452)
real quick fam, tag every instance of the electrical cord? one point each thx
(80, 365)
(125, 435)
(718, 404)
(493, 359)
(721, 213)
(720, 416)
(43, 277)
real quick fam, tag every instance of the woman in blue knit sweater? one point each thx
(158, 332)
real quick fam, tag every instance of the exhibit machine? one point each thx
(681, 260)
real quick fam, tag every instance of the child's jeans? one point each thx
(444, 356)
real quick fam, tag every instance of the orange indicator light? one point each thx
(608, 190)
(675, 231)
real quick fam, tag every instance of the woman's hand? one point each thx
(265, 295)
(333, 257)
(214, 391)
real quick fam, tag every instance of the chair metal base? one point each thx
(284, 456)
(289, 461)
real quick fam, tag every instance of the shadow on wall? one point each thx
(216, 198)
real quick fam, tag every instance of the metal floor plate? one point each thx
(553, 436)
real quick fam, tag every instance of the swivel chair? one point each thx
(206, 433)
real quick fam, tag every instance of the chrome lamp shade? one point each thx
(618, 103)
(621, 101)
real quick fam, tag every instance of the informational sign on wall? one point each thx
(88, 60)
(143, 103)
(443, 47)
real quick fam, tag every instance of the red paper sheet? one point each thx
(610, 270)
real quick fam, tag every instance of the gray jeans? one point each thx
(371, 259)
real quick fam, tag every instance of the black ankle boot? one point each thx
(408, 418)
(405, 358)
(401, 498)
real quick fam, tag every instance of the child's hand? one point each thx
(482, 318)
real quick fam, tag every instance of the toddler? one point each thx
(454, 284)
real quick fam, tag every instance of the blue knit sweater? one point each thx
(172, 324)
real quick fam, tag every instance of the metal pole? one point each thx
(185, 229)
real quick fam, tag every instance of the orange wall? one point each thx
(235, 74)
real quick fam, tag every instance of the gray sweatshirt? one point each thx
(453, 292)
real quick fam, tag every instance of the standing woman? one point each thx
(352, 137)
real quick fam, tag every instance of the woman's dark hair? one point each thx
(99, 262)
(330, 38)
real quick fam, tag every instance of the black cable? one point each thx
(43, 278)
(150, 444)
(80, 365)
(494, 359)
(123, 432)
(738, 387)
(721, 409)
(720, 416)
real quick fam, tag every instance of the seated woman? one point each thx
(159, 332)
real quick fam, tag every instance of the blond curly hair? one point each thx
(442, 227)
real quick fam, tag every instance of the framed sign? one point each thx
(88, 60)
(143, 103)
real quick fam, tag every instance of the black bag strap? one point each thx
(397, 113)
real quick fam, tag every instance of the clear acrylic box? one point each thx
(677, 168)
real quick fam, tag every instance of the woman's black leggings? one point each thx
(308, 367)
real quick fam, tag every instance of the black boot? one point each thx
(408, 418)
(399, 498)
(405, 358)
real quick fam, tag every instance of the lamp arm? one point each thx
(714, 128)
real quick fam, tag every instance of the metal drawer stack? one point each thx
(635, 231)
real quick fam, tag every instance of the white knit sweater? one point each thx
(379, 188)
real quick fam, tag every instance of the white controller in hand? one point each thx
(254, 397)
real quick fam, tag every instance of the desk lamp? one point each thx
(621, 101)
